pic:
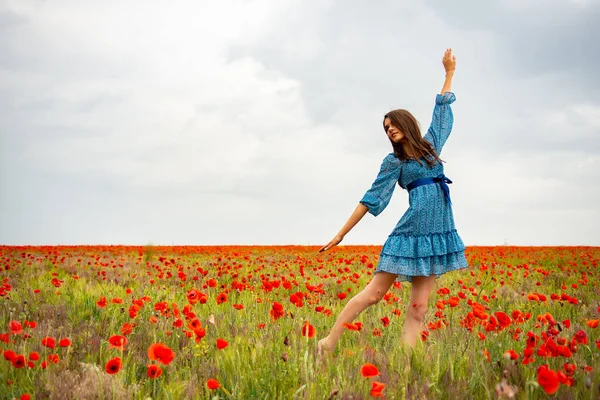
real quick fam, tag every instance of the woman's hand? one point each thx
(334, 242)
(449, 61)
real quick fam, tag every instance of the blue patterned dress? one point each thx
(425, 241)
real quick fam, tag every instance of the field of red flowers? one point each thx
(104, 322)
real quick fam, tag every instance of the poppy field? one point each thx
(242, 322)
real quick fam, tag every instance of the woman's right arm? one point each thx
(375, 199)
(356, 216)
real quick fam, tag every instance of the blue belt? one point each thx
(441, 179)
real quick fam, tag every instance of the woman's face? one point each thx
(393, 133)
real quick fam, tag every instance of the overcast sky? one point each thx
(259, 121)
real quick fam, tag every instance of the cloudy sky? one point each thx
(259, 121)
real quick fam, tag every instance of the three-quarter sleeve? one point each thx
(378, 196)
(441, 122)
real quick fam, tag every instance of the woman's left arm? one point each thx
(449, 61)
(443, 119)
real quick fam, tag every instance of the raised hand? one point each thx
(449, 61)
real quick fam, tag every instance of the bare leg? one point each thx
(421, 287)
(371, 294)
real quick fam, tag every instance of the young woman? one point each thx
(424, 244)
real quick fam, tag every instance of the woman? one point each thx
(424, 244)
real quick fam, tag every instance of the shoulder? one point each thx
(391, 161)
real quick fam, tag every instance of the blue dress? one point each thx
(425, 241)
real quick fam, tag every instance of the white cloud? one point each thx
(260, 122)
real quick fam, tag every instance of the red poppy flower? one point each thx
(102, 302)
(9, 355)
(154, 371)
(238, 306)
(277, 310)
(592, 323)
(49, 342)
(369, 370)
(511, 354)
(54, 358)
(548, 379)
(117, 342)
(308, 330)
(222, 298)
(65, 342)
(34, 356)
(503, 319)
(113, 365)
(25, 396)
(222, 343)
(161, 353)
(178, 323)
(127, 328)
(213, 384)
(19, 361)
(342, 295)
(15, 327)
(385, 321)
(377, 389)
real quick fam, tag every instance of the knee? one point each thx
(417, 311)
(373, 297)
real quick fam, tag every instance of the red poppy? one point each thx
(34, 356)
(592, 323)
(277, 310)
(511, 354)
(377, 389)
(213, 384)
(127, 328)
(9, 355)
(54, 358)
(161, 353)
(222, 343)
(15, 327)
(369, 370)
(117, 342)
(548, 379)
(19, 361)
(25, 396)
(503, 319)
(154, 371)
(49, 342)
(102, 302)
(65, 342)
(385, 321)
(178, 323)
(238, 306)
(222, 298)
(113, 365)
(342, 295)
(308, 330)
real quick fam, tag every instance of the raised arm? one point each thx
(443, 118)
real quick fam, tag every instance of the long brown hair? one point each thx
(417, 146)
